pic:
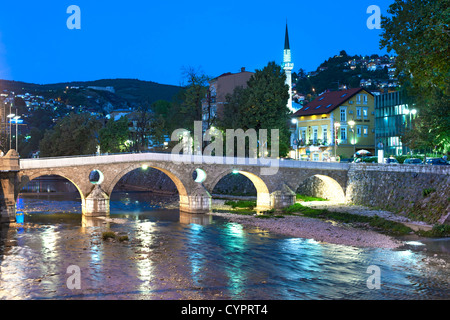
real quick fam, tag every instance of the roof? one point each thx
(286, 40)
(327, 102)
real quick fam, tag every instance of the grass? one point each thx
(437, 231)
(308, 198)
(383, 225)
(241, 204)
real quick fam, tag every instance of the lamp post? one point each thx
(295, 121)
(352, 123)
(336, 128)
(10, 116)
(16, 118)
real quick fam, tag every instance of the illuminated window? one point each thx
(366, 131)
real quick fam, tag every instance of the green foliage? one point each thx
(241, 204)
(390, 227)
(261, 105)
(438, 231)
(76, 134)
(114, 135)
(308, 198)
(417, 30)
(428, 191)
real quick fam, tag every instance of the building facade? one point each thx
(219, 88)
(335, 124)
(392, 117)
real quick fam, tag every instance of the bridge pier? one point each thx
(282, 198)
(96, 204)
(197, 201)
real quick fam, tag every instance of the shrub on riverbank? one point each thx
(438, 231)
(241, 204)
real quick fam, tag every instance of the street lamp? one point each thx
(352, 123)
(17, 132)
(10, 116)
(295, 121)
(336, 128)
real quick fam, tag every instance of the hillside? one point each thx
(373, 72)
(126, 91)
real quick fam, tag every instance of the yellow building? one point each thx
(346, 117)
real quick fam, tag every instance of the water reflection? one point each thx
(176, 255)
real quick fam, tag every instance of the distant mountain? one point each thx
(126, 91)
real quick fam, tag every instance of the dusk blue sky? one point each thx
(154, 40)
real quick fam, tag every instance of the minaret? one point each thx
(288, 66)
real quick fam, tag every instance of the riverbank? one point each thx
(321, 230)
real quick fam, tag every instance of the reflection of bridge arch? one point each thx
(323, 186)
(25, 179)
(263, 201)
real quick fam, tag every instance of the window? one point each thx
(365, 99)
(318, 106)
(358, 131)
(358, 112)
(366, 131)
(343, 134)
(303, 136)
(343, 114)
(324, 134)
(358, 99)
(315, 134)
(343, 95)
(329, 105)
(365, 113)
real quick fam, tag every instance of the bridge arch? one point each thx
(182, 191)
(263, 200)
(322, 186)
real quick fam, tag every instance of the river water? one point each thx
(172, 255)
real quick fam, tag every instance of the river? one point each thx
(173, 255)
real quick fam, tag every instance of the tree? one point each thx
(193, 95)
(262, 105)
(114, 135)
(76, 134)
(418, 31)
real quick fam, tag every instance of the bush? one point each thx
(426, 192)
(437, 231)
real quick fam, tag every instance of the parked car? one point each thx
(412, 161)
(367, 159)
(436, 161)
(390, 160)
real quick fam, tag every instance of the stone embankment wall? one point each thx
(420, 192)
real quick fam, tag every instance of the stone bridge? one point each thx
(275, 180)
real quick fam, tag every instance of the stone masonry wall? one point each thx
(419, 192)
